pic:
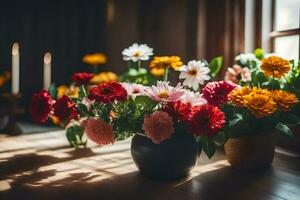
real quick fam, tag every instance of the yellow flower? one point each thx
(159, 63)
(94, 59)
(275, 66)
(285, 100)
(71, 91)
(260, 103)
(237, 95)
(104, 77)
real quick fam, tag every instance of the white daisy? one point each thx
(193, 98)
(137, 52)
(134, 89)
(194, 73)
(164, 92)
(245, 58)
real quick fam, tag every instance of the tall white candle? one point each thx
(47, 71)
(15, 69)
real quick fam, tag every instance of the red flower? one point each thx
(82, 77)
(178, 111)
(40, 106)
(216, 93)
(108, 92)
(206, 120)
(65, 109)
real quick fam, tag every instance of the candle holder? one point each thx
(12, 110)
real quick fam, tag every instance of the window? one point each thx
(285, 31)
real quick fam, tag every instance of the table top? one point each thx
(43, 166)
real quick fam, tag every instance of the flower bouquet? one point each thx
(169, 123)
(261, 106)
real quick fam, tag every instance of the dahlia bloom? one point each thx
(158, 126)
(237, 95)
(206, 120)
(94, 59)
(194, 73)
(193, 98)
(40, 106)
(65, 109)
(284, 100)
(216, 93)
(163, 92)
(108, 92)
(178, 110)
(232, 74)
(275, 66)
(99, 132)
(160, 63)
(104, 77)
(137, 52)
(82, 77)
(134, 89)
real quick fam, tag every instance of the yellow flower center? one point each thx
(193, 72)
(137, 54)
(164, 95)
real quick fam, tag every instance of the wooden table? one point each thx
(42, 166)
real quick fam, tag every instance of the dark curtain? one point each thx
(68, 29)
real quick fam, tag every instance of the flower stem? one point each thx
(139, 63)
(166, 74)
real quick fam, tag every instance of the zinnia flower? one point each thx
(160, 63)
(232, 74)
(206, 120)
(40, 106)
(82, 77)
(134, 89)
(237, 95)
(194, 73)
(72, 91)
(137, 52)
(104, 77)
(178, 110)
(94, 59)
(216, 93)
(260, 103)
(108, 92)
(99, 132)
(65, 109)
(164, 92)
(284, 100)
(193, 98)
(275, 66)
(158, 126)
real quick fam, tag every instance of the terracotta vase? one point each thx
(170, 160)
(251, 153)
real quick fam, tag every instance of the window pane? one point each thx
(287, 14)
(287, 47)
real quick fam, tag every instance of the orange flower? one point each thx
(94, 59)
(260, 103)
(275, 66)
(71, 91)
(285, 100)
(104, 77)
(237, 95)
(160, 63)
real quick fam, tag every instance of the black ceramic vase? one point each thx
(172, 159)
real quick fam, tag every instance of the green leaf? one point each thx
(208, 146)
(215, 66)
(284, 129)
(74, 135)
(220, 139)
(289, 118)
(53, 91)
(145, 101)
(82, 91)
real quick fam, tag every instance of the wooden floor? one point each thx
(42, 166)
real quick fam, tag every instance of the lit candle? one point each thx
(47, 71)
(15, 69)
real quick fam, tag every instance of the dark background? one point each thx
(69, 29)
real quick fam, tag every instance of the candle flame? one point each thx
(15, 49)
(47, 58)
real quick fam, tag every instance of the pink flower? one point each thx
(158, 126)
(134, 89)
(164, 92)
(234, 73)
(193, 98)
(216, 93)
(88, 103)
(99, 132)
